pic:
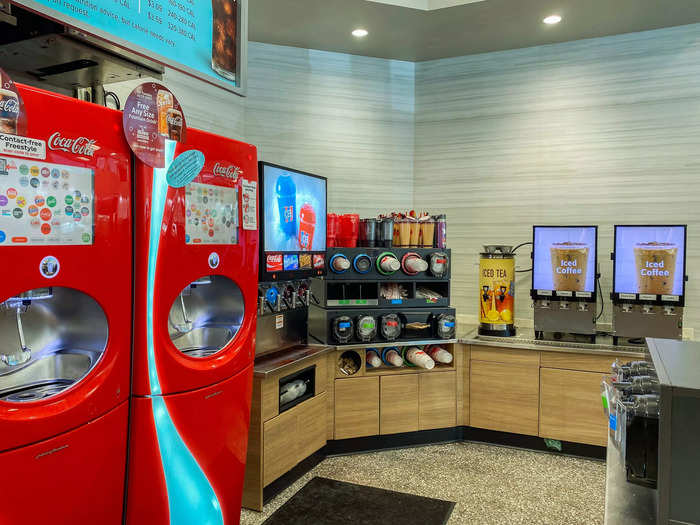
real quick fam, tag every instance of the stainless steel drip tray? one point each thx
(204, 341)
(46, 376)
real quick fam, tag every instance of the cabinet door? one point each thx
(280, 446)
(504, 397)
(311, 425)
(438, 400)
(570, 407)
(356, 407)
(398, 404)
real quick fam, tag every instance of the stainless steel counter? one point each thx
(626, 503)
(273, 363)
(391, 343)
(525, 340)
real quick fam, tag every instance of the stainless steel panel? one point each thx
(638, 320)
(50, 339)
(565, 316)
(273, 335)
(206, 316)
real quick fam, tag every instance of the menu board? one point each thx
(564, 259)
(650, 260)
(211, 214)
(45, 204)
(201, 38)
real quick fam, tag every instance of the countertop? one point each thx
(270, 364)
(525, 340)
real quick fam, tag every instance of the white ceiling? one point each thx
(426, 5)
(419, 30)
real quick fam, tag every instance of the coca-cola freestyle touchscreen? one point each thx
(649, 260)
(564, 258)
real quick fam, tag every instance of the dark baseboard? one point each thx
(507, 439)
(285, 480)
(421, 438)
(406, 439)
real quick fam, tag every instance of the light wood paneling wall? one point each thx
(598, 131)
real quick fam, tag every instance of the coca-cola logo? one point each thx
(78, 146)
(9, 105)
(274, 263)
(230, 172)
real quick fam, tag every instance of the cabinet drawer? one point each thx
(356, 407)
(570, 406)
(438, 400)
(499, 354)
(293, 436)
(280, 445)
(504, 397)
(311, 425)
(576, 361)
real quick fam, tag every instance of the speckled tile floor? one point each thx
(491, 485)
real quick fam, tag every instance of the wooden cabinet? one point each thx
(438, 400)
(504, 396)
(293, 436)
(356, 407)
(570, 406)
(399, 403)
(281, 446)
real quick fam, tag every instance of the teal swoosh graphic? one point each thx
(191, 498)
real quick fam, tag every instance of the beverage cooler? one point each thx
(65, 311)
(196, 289)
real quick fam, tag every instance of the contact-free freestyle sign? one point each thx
(199, 37)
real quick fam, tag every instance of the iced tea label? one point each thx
(30, 214)
(153, 115)
(496, 291)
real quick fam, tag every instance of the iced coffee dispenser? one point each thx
(649, 281)
(564, 277)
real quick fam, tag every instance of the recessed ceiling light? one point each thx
(360, 33)
(552, 19)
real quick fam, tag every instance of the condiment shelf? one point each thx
(380, 294)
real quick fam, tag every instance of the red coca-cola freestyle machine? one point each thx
(196, 267)
(65, 309)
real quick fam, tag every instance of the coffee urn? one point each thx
(497, 291)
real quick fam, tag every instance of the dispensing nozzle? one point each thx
(21, 304)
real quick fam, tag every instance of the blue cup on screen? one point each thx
(287, 201)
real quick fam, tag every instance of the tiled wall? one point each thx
(599, 131)
(346, 117)
(349, 118)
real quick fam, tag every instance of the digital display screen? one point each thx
(294, 211)
(45, 204)
(211, 214)
(649, 260)
(564, 258)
